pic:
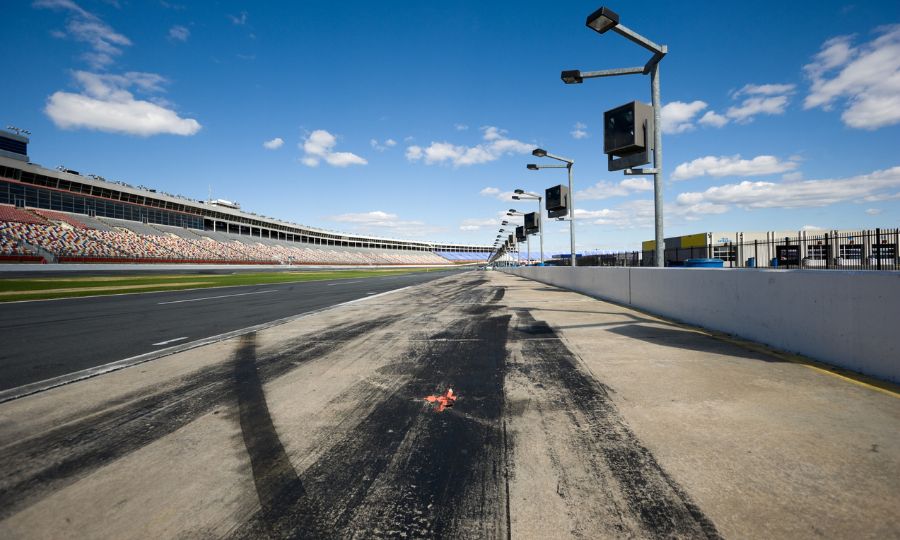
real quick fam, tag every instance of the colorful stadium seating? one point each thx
(78, 238)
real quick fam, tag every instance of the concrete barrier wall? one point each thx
(846, 319)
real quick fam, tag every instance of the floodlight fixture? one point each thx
(532, 166)
(529, 196)
(570, 206)
(515, 197)
(602, 20)
(571, 76)
(519, 191)
(512, 210)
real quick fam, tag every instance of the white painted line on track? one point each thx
(342, 283)
(40, 386)
(169, 341)
(214, 297)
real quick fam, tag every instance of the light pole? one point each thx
(540, 152)
(522, 195)
(504, 230)
(601, 21)
(514, 212)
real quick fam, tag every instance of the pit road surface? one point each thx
(46, 339)
(575, 419)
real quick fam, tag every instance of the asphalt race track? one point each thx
(45, 339)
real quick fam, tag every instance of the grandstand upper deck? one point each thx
(31, 185)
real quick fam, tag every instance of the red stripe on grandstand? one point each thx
(125, 260)
(21, 259)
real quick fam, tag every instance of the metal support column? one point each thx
(571, 216)
(659, 254)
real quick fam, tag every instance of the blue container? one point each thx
(704, 263)
(751, 262)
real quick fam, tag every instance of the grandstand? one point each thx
(465, 256)
(61, 216)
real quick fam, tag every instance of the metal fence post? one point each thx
(877, 250)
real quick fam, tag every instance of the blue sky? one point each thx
(415, 119)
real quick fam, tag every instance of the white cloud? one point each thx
(83, 26)
(732, 166)
(865, 77)
(713, 119)
(873, 211)
(792, 176)
(606, 190)
(811, 228)
(628, 215)
(319, 145)
(580, 131)
(239, 20)
(274, 144)
(677, 116)
(460, 127)
(754, 106)
(385, 221)
(414, 153)
(106, 102)
(497, 194)
(107, 105)
(475, 224)
(694, 211)
(771, 99)
(377, 217)
(179, 33)
(878, 185)
(381, 147)
(764, 89)
(495, 145)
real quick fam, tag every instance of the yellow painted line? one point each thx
(859, 379)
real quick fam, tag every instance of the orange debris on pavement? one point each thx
(444, 400)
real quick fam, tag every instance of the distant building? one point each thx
(812, 248)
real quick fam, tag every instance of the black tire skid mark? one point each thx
(273, 475)
(439, 473)
(656, 500)
(499, 293)
(451, 481)
(38, 466)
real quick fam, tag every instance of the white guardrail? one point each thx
(843, 318)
